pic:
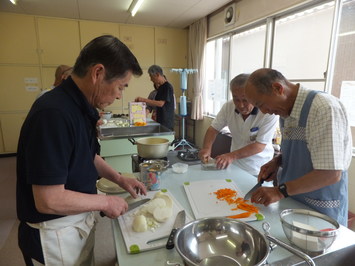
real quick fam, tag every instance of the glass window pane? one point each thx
(313, 85)
(343, 85)
(217, 62)
(301, 43)
(247, 51)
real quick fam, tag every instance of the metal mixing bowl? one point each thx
(221, 241)
(310, 231)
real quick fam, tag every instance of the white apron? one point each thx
(68, 240)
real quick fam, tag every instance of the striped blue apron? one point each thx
(296, 162)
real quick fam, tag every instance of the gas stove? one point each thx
(137, 160)
(188, 157)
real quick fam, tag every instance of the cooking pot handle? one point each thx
(305, 257)
(133, 141)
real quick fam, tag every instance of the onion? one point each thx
(162, 214)
(140, 223)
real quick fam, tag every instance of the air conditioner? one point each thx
(229, 15)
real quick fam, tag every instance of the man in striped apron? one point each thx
(316, 145)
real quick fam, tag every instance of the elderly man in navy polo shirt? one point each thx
(58, 162)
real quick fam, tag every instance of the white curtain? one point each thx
(197, 42)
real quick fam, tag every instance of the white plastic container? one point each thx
(180, 168)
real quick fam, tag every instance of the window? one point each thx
(217, 75)
(300, 51)
(301, 45)
(342, 83)
(247, 51)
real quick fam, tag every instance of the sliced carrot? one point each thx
(241, 215)
(230, 196)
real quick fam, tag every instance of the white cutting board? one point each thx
(204, 202)
(141, 241)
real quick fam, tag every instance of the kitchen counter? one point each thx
(174, 183)
(116, 147)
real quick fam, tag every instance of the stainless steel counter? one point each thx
(151, 129)
(174, 183)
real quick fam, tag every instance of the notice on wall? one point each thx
(31, 84)
(347, 98)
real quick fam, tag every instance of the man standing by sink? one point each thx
(164, 99)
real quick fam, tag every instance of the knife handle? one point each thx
(170, 243)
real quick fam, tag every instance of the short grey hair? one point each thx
(239, 81)
(155, 69)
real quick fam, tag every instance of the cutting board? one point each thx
(107, 186)
(204, 202)
(137, 242)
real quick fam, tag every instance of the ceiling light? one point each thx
(13, 2)
(133, 8)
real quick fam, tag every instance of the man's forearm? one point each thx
(249, 150)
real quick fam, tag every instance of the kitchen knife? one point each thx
(248, 195)
(179, 221)
(131, 206)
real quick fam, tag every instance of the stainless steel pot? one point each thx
(152, 148)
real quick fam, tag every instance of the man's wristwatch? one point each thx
(283, 190)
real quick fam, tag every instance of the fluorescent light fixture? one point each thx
(13, 2)
(133, 8)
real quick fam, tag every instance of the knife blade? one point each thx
(179, 221)
(131, 206)
(248, 195)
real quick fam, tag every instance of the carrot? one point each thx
(241, 215)
(248, 207)
(230, 196)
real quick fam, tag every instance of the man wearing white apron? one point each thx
(58, 162)
(315, 149)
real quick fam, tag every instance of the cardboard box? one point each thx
(137, 112)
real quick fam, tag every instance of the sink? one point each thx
(134, 131)
(340, 257)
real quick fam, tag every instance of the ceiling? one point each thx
(164, 13)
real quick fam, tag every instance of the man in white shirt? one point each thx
(251, 130)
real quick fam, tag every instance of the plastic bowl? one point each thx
(107, 115)
(310, 231)
(180, 168)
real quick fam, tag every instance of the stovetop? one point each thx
(188, 155)
(173, 157)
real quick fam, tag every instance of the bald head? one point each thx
(263, 78)
(271, 92)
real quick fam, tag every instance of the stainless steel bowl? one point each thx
(311, 231)
(221, 241)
